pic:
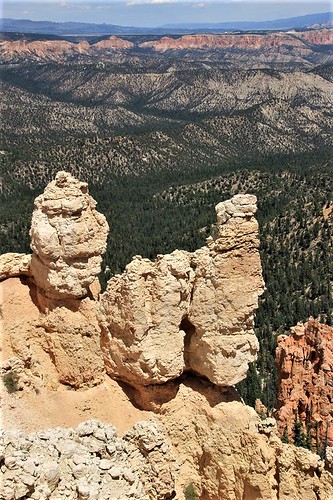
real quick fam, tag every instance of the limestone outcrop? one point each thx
(305, 366)
(89, 462)
(183, 312)
(204, 436)
(188, 311)
(58, 341)
(48, 305)
(68, 237)
(141, 315)
(228, 453)
(14, 264)
(228, 282)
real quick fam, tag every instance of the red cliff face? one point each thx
(318, 37)
(246, 41)
(56, 50)
(305, 364)
(273, 44)
(113, 43)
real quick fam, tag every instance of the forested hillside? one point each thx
(160, 145)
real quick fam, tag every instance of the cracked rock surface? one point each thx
(68, 237)
(89, 462)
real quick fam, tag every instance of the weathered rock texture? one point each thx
(245, 41)
(14, 264)
(58, 50)
(188, 311)
(208, 437)
(183, 312)
(305, 364)
(271, 44)
(228, 282)
(89, 462)
(68, 237)
(57, 341)
(228, 453)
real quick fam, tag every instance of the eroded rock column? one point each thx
(228, 282)
(140, 316)
(68, 237)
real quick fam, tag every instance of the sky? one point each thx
(152, 13)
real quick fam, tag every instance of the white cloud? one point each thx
(151, 2)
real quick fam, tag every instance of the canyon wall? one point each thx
(278, 46)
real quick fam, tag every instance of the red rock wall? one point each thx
(305, 364)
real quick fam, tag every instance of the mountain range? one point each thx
(78, 28)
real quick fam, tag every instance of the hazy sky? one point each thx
(159, 12)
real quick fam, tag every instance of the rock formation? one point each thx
(185, 314)
(208, 438)
(68, 237)
(58, 50)
(14, 264)
(190, 303)
(273, 47)
(56, 286)
(241, 42)
(228, 282)
(305, 365)
(89, 462)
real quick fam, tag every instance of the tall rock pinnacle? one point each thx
(68, 237)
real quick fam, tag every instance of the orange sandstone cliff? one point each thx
(305, 365)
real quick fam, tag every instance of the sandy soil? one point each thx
(51, 404)
(107, 402)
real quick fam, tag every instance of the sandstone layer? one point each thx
(56, 50)
(277, 47)
(243, 41)
(184, 312)
(305, 365)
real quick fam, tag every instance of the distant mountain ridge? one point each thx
(277, 24)
(77, 28)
